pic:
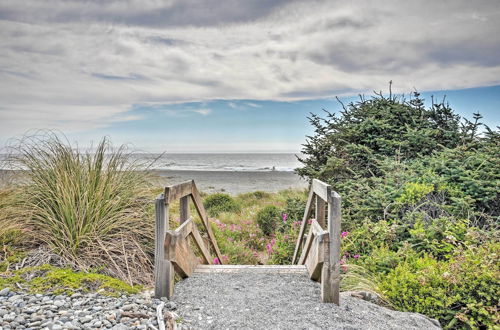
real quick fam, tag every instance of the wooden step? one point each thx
(263, 269)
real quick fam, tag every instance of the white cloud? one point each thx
(82, 65)
(203, 112)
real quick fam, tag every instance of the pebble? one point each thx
(20, 310)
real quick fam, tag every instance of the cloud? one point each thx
(82, 65)
(203, 112)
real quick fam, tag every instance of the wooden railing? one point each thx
(320, 252)
(173, 252)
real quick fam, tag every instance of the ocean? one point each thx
(221, 172)
(249, 162)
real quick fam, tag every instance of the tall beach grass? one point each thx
(90, 207)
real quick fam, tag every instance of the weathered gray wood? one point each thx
(180, 253)
(178, 250)
(201, 244)
(321, 189)
(164, 272)
(204, 219)
(316, 256)
(332, 268)
(175, 192)
(320, 212)
(303, 225)
(184, 208)
(307, 246)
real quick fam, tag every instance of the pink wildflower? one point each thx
(225, 258)
(356, 256)
(230, 239)
(269, 248)
(344, 234)
(284, 216)
(216, 261)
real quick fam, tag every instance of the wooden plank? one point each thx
(201, 244)
(316, 257)
(204, 218)
(303, 225)
(181, 255)
(175, 192)
(321, 189)
(164, 272)
(316, 228)
(331, 287)
(184, 208)
(320, 212)
(307, 246)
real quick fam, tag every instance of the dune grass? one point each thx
(87, 206)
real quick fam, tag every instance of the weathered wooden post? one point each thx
(320, 211)
(164, 272)
(184, 208)
(330, 276)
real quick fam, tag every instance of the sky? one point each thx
(234, 75)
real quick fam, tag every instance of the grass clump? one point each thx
(48, 279)
(268, 219)
(218, 203)
(87, 206)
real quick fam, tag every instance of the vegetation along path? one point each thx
(260, 299)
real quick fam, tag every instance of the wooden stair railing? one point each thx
(320, 252)
(172, 250)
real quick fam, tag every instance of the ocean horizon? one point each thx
(221, 162)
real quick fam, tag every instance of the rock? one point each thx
(4, 292)
(171, 305)
(85, 319)
(128, 307)
(59, 303)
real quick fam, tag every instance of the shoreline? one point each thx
(233, 182)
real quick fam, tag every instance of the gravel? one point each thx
(279, 301)
(207, 301)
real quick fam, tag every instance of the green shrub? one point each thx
(268, 219)
(284, 246)
(218, 203)
(461, 292)
(88, 206)
(294, 208)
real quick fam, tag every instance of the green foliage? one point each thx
(461, 292)
(218, 203)
(420, 203)
(283, 249)
(88, 206)
(294, 208)
(414, 192)
(268, 219)
(48, 279)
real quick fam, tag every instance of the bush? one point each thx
(284, 246)
(268, 219)
(461, 292)
(87, 206)
(218, 203)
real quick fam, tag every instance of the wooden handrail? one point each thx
(172, 249)
(321, 250)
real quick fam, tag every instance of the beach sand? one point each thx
(233, 182)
